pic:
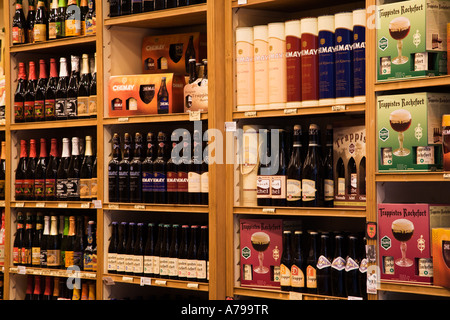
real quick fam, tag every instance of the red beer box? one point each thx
(171, 53)
(441, 256)
(261, 246)
(405, 242)
(145, 94)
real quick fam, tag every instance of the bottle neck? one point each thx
(43, 150)
(54, 227)
(54, 4)
(32, 149)
(75, 63)
(22, 73)
(72, 226)
(32, 71)
(65, 150)
(23, 149)
(88, 146)
(75, 147)
(3, 154)
(53, 71)
(63, 68)
(46, 225)
(85, 65)
(54, 148)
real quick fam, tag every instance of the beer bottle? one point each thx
(147, 170)
(48, 289)
(160, 171)
(44, 243)
(28, 182)
(263, 195)
(312, 183)
(294, 171)
(37, 239)
(83, 88)
(191, 266)
(72, 89)
(61, 90)
(39, 103)
(73, 172)
(50, 93)
(52, 16)
(93, 85)
(27, 240)
(338, 269)
(286, 262)
(157, 253)
(39, 175)
(79, 244)
(148, 5)
(352, 181)
(164, 253)
(124, 170)
(160, 4)
(362, 176)
(278, 181)
(149, 250)
(328, 179)
(114, 8)
(37, 293)
(19, 95)
(183, 172)
(70, 249)
(163, 98)
(183, 253)
(61, 19)
(54, 245)
(129, 248)
(121, 247)
(18, 240)
(298, 267)
(65, 241)
(138, 253)
(61, 181)
(113, 170)
(40, 32)
(20, 171)
(56, 284)
(137, 6)
(195, 171)
(190, 53)
(125, 7)
(29, 291)
(171, 3)
(362, 279)
(203, 256)
(90, 252)
(19, 25)
(172, 263)
(352, 269)
(311, 264)
(172, 186)
(86, 172)
(324, 266)
(30, 94)
(51, 172)
(73, 19)
(31, 17)
(112, 249)
(84, 8)
(135, 185)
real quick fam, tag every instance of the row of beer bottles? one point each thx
(159, 250)
(157, 175)
(55, 288)
(305, 176)
(332, 264)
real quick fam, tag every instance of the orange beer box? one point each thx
(441, 256)
(144, 94)
(171, 53)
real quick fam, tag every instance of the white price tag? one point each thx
(127, 279)
(194, 115)
(139, 207)
(40, 204)
(161, 282)
(2, 203)
(268, 210)
(230, 126)
(125, 119)
(191, 285)
(339, 108)
(113, 206)
(241, 2)
(446, 176)
(295, 295)
(250, 113)
(20, 204)
(62, 205)
(290, 111)
(97, 204)
(85, 205)
(146, 281)
(22, 270)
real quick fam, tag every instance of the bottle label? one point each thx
(68, 259)
(53, 258)
(28, 107)
(60, 32)
(73, 23)
(73, 188)
(30, 32)
(18, 35)
(77, 258)
(326, 65)
(43, 257)
(194, 182)
(277, 70)
(94, 188)
(83, 103)
(90, 262)
(293, 68)
(363, 266)
(120, 262)
(39, 188)
(359, 60)
(205, 182)
(147, 182)
(91, 25)
(85, 189)
(261, 58)
(310, 67)
(263, 187)
(138, 264)
(60, 108)
(72, 107)
(293, 190)
(51, 30)
(308, 190)
(191, 269)
(353, 183)
(323, 262)
(39, 112)
(159, 182)
(182, 268)
(201, 269)
(112, 259)
(338, 264)
(18, 111)
(148, 264)
(40, 32)
(163, 266)
(18, 189)
(163, 105)
(297, 277)
(28, 188)
(244, 74)
(278, 187)
(285, 275)
(50, 108)
(183, 182)
(61, 188)
(16, 255)
(328, 189)
(156, 261)
(311, 277)
(172, 181)
(92, 102)
(129, 263)
(341, 186)
(172, 265)
(351, 265)
(343, 65)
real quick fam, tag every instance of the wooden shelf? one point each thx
(287, 5)
(54, 124)
(176, 17)
(326, 109)
(317, 212)
(412, 176)
(53, 272)
(189, 208)
(51, 45)
(173, 117)
(280, 295)
(414, 288)
(413, 83)
(160, 282)
(53, 204)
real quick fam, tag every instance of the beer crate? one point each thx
(412, 39)
(261, 247)
(145, 94)
(409, 131)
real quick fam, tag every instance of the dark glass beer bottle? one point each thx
(163, 98)
(160, 171)
(324, 266)
(113, 170)
(73, 172)
(338, 268)
(79, 244)
(157, 251)
(72, 89)
(124, 170)
(148, 5)
(37, 239)
(18, 240)
(61, 181)
(191, 265)
(278, 181)
(19, 26)
(183, 172)
(136, 6)
(40, 173)
(86, 171)
(61, 90)
(121, 247)
(183, 252)
(41, 87)
(263, 195)
(50, 93)
(298, 263)
(135, 185)
(203, 256)
(172, 179)
(328, 178)
(138, 252)
(147, 170)
(286, 262)
(125, 7)
(54, 245)
(20, 171)
(114, 8)
(149, 250)
(160, 4)
(27, 240)
(195, 171)
(28, 182)
(352, 181)
(129, 248)
(44, 242)
(112, 248)
(30, 94)
(352, 269)
(294, 171)
(40, 32)
(311, 264)
(164, 253)
(312, 182)
(19, 95)
(172, 263)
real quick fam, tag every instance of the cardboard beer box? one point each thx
(196, 96)
(412, 39)
(144, 94)
(405, 242)
(171, 53)
(441, 256)
(409, 131)
(261, 247)
(349, 163)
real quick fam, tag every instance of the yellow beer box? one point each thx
(145, 94)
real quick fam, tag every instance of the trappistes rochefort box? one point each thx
(261, 247)
(145, 94)
(171, 53)
(404, 242)
(412, 39)
(409, 130)
(349, 163)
